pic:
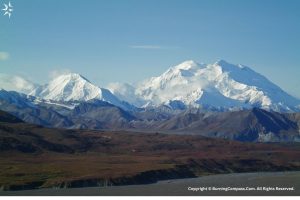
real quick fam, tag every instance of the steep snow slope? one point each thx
(263, 91)
(69, 87)
(74, 87)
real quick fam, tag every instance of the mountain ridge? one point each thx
(219, 86)
(237, 85)
(253, 125)
(256, 125)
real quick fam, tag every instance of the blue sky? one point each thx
(129, 40)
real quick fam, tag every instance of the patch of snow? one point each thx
(266, 137)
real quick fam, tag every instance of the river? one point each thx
(259, 183)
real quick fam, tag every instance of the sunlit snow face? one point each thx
(191, 83)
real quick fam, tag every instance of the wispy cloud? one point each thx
(57, 73)
(4, 55)
(145, 47)
(151, 47)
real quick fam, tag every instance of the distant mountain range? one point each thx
(215, 100)
(248, 125)
(220, 86)
(255, 125)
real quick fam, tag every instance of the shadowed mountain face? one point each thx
(248, 125)
(27, 109)
(255, 125)
(93, 114)
(98, 114)
(6, 117)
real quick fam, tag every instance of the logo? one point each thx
(8, 9)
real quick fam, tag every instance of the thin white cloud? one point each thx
(4, 55)
(145, 47)
(151, 47)
(56, 73)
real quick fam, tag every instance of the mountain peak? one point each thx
(75, 87)
(186, 65)
(72, 76)
(227, 65)
(69, 87)
(234, 86)
(221, 62)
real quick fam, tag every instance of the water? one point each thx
(260, 183)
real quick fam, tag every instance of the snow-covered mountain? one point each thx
(68, 87)
(220, 85)
(16, 83)
(74, 87)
